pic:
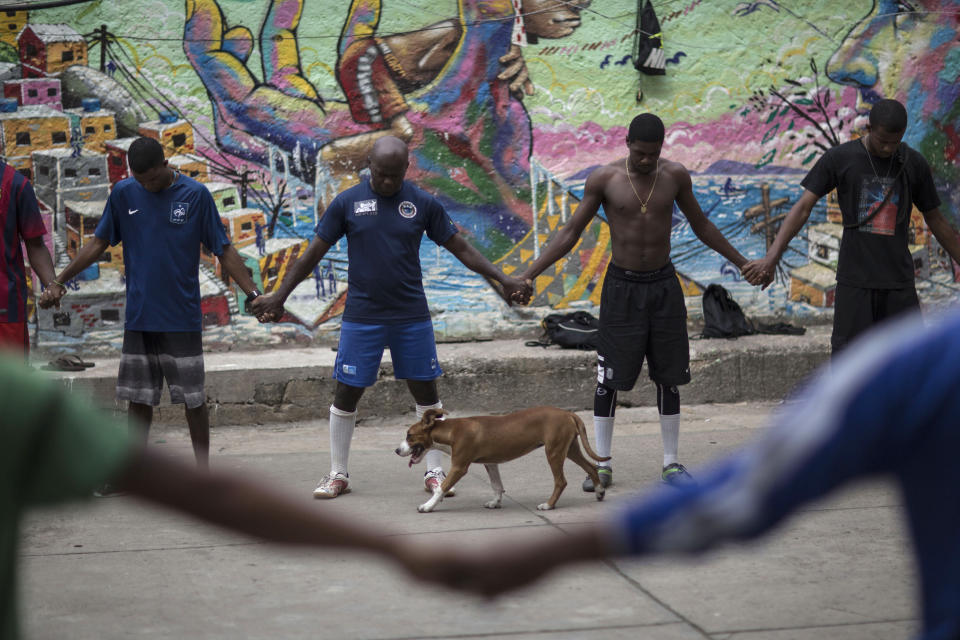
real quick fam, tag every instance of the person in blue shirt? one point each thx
(384, 219)
(162, 218)
(887, 406)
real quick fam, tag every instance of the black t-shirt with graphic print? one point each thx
(873, 251)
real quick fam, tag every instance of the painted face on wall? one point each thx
(906, 49)
(552, 18)
(883, 50)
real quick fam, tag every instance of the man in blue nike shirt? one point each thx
(163, 218)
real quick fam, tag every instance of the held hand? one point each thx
(51, 296)
(516, 291)
(516, 73)
(483, 572)
(525, 295)
(759, 272)
(267, 308)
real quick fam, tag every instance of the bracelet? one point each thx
(59, 284)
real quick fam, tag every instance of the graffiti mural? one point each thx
(507, 106)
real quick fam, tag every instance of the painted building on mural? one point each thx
(81, 220)
(217, 301)
(244, 226)
(268, 264)
(50, 48)
(174, 134)
(64, 174)
(12, 22)
(225, 195)
(32, 91)
(117, 166)
(190, 165)
(95, 125)
(26, 130)
(96, 307)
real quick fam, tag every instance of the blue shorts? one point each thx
(412, 349)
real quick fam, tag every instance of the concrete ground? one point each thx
(113, 568)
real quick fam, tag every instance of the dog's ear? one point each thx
(431, 416)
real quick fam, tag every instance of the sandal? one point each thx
(77, 361)
(70, 362)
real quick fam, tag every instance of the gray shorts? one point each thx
(150, 357)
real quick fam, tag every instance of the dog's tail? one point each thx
(582, 430)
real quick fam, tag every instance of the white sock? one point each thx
(603, 432)
(670, 432)
(433, 457)
(341, 432)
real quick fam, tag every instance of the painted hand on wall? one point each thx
(284, 109)
(247, 111)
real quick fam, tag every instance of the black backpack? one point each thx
(722, 316)
(576, 330)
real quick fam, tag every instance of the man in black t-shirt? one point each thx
(878, 179)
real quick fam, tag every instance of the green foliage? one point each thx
(8, 53)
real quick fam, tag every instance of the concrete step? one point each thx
(289, 385)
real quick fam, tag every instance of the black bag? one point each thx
(577, 330)
(648, 55)
(722, 316)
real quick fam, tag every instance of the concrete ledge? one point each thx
(288, 385)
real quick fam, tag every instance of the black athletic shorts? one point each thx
(149, 357)
(642, 315)
(855, 310)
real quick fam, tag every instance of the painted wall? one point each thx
(508, 105)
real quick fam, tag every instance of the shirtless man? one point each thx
(642, 311)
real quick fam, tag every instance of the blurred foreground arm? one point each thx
(240, 504)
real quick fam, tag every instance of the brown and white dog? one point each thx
(491, 440)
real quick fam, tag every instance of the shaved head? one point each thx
(388, 161)
(389, 149)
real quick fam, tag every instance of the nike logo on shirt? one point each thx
(132, 211)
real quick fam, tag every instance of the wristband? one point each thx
(253, 295)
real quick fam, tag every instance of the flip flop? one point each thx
(62, 364)
(76, 360)
(69, 362)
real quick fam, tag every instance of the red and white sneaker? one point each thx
(433, 479)
(332, 485)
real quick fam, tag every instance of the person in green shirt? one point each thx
(55, 448)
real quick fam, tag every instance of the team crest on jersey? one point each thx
(408, 209)
(178, 212)
(365, 208)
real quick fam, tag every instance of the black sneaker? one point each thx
(676, 475)
(606, 479)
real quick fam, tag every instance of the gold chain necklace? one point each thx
(643, 205)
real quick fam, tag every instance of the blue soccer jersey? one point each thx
(888, 406)
(161, 234)
(384, 282)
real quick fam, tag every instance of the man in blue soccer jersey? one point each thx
(384, 219)
(887, 407)
(162, 218)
